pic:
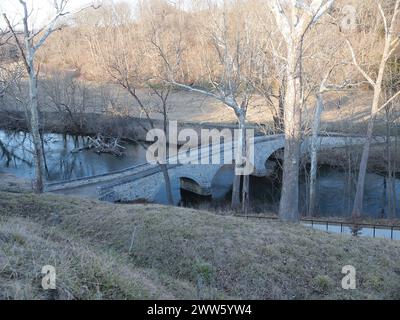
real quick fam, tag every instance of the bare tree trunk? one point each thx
(293, 27)
(389, 170)
(38, 184)
(28, 57)
(167, 180)
(246, 179)
(281, 105)
(359, 198)
(314, 156)
(394, 197)
(164, 167)
(289, 203)
(240, 152)
(279, 111)
(390, 46)
(46, 168)
(246, 194)
(235, 203)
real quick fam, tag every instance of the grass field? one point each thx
(106, 251)
(345, 112)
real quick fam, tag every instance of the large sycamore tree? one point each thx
(293, 19)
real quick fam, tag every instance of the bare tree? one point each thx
(323, 88)
(391, 43)
(231, 57)
(315, 131)
(70, 98)
(4, 37)
(294, 18)
(123, 53)
(33, 40)
(392, 84)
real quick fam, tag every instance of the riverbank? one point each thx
(268, 215)
(90, 124)
(348, 158)
(108, 251)
(12, 183)
(133, 129)
(345, 112)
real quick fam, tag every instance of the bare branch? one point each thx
(388, 102)
(365, 75)
(49, 27)
(19, 45)
(225, 100)
(281, 19)
(382, 13)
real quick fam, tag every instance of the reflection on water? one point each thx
(62, 164)
(335, 194)
(334, 188)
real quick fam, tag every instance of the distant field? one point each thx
(178, 254)
(345, 111)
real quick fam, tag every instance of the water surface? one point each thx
(61, 162)
(335, 188)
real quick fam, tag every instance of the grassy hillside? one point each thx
(178, 254)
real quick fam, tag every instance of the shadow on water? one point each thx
(334, 188)
(335, 196)
(62, 163)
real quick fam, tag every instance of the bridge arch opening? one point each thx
(221, 185)
(265, 187)
(191, 192)
(274, 163)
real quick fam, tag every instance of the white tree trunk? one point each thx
(391, 43)
(391, 187)
(314, 156)
(294, 18)
(289, 203)
(38, 158)
(240, 151)
(359, 198)
(167, 182)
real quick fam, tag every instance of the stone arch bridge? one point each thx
(145, 182)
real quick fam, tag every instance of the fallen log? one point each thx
(100, 144)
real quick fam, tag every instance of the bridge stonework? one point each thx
(146, 182)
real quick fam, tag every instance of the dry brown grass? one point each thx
(82, 273)
(12, 183)
(180, 253)
(345, 112)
